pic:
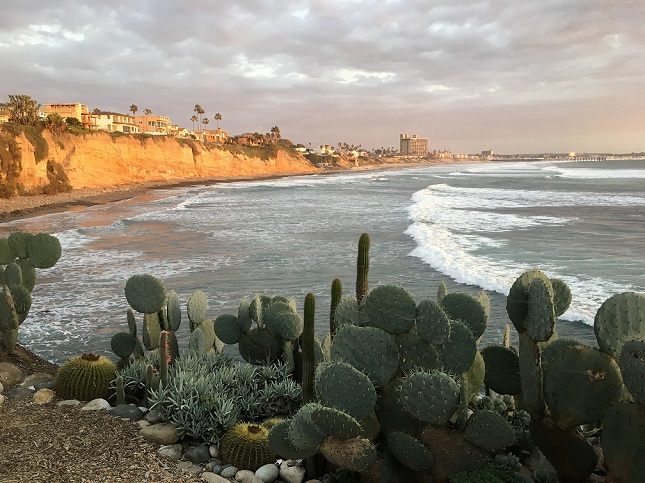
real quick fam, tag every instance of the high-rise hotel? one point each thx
(413, 146)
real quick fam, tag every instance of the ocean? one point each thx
(474, 226)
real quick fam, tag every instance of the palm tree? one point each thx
(147, 112)
(205, 122)
(194, 119)
(198, 109)
(133, 109)
(218, 118)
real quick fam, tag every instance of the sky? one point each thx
(512, 76)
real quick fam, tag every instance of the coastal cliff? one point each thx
(34, 160)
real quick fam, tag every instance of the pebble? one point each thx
(291, 472)
(246, 476)
(44, 396)
(10, 375)
(198, 454)
(267, 473)
(3, 398)
(209, 477)
(229, 472)
(127, 411)
(163, 433)
(190, 467)
(69, 402)
(96, 405)
(172, 451)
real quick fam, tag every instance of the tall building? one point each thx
(413, 146)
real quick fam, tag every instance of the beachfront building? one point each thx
(74, 110)
(150, 124)
(413, 145)
(116, 122)
(178, 131)
(4, 112)
(215, 136)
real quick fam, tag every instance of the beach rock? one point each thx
(69, 402)
(143, 424)
(213, 449)
(209, 477)
(37, 380)
(216, 466)
(229, 472)
(291, 472)
(96, 405)
(10, 375)
(44, 396)
(18, 393)
(153, 417)
(127, 411)
(246, 476)
(1, 388)
(198, 454)
(190, 467)
(163, 433)
(268, 473)
(2, 399)
(172, 451)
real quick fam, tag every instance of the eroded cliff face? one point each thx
(101, 161)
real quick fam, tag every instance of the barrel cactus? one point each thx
(246, 446)
(85, 377)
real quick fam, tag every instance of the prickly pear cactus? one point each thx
(145, 293)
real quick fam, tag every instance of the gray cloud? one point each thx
(536, 75)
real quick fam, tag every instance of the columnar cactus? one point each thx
(362, 267)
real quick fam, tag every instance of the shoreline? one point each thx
(28, 206)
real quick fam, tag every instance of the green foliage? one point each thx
(23, 109)
(55, 123)
(85, 377)
(493, 472)
(72, 121)
(207, 394)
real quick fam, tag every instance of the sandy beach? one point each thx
(24, 206)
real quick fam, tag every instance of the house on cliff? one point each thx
(116, 122)
(75, 110)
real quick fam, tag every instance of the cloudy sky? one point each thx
(507, 75)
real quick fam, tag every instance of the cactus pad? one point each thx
(173, 311)
(416, 353)
(561, 296)
(6, 255)
(197, 341)
(151, 330)
(335, 423)
(44, 250)
(333, 380)
(123, 344)
(632, 367)
(21, 300)
(19, 244)
(145, 293)
(468, 310)
(85, 377)
(28, 274)
(540, 314)
(518, 295)
(246, 446)
(391, 308)
(356, 454)
(286, 325)
(622, 442)
(243, 315)
(433, 324)
(410, 451)
(391, 412)
(502, 370)
(619, 318)
(432, 398)
(12, 274)
(197, 307)
(280, 444)
(489, 430)
(580, 385)
(370, 350)
(228, 329)
(347, 312)
(259, 347)
(458, 352)
(302, 432)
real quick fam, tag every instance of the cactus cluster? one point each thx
(404, 377)
(20, 255)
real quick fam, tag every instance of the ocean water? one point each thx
(473, 226)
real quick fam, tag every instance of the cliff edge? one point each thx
(33, 160)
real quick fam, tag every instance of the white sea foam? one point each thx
(595, 173)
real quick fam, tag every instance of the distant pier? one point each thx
(580, 157)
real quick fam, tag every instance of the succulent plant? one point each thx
(362, 267)
(85, 377)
